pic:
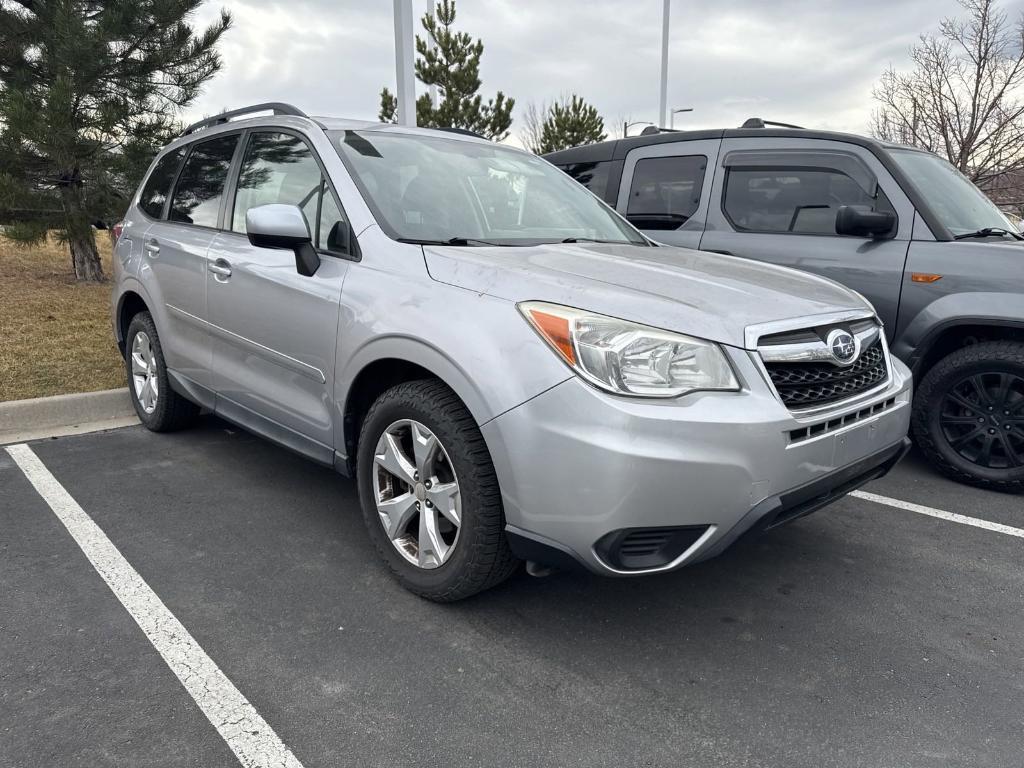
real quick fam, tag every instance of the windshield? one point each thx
(960, 205)
(427, 188)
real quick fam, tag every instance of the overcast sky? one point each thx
(810, 62)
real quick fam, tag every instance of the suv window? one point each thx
(800, 200)
(665, 191)
(158, 185)
(201, 183)
(593, 176)
(281, 168)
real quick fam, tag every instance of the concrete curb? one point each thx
(42, 413)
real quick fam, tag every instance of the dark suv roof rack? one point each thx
(757, 122)
(277, 107)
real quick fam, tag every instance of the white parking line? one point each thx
(247, 734)
(953, 517)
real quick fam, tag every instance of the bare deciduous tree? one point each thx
(961, 100)
(533, 126)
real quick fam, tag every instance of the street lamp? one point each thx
(627, 126)
(672, 117)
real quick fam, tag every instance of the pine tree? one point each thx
(570, 123)
(454, 67)
(89, 90)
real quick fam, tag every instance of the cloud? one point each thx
(812, 62)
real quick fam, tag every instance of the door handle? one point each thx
(152, 248)
(221, 270)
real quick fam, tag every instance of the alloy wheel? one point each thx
(982, 419)
(417, 494)
(144, 373)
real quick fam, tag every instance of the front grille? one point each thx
(824, 427)
(805, 385)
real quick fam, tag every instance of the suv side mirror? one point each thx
(283, 226)
(860, 223)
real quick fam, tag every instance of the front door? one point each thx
(777, 202)
(274, 330)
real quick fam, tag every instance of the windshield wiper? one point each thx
(461, 241)
(597, 240)
(989, 232)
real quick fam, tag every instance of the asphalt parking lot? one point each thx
(864, 635)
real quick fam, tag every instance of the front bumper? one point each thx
(578, 466)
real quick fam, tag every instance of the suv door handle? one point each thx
(221, 270)
(152, 248)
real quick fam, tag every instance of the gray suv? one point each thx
(942, 265)
(507, 367)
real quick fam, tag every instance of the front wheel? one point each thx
(969, 415)
(429, 493)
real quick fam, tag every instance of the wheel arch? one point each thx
(952, 335)
(129, 304)
(389, 362)
(955, 320)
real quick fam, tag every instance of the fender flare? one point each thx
(953, 310)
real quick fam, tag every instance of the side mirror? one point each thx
(861, 223)
(283, 226)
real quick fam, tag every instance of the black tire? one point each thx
(172, 411)
(481, 558)
(931, 406)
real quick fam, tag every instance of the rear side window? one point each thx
(593, 176)
(665, 191)
(158, 185)
(798, 200)
(281, 168)
(200, 186)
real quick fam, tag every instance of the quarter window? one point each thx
(593, 176)
(281, 168)
(200, 186)
(158, 185)
(799, 200)
(665, 191)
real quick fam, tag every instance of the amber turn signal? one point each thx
(924, 277)
(555, 331)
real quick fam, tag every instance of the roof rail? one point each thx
(757, 122)
(277, 107)
(461, 131)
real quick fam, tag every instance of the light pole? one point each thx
(672, 118)
(406, 91)
(663, 104)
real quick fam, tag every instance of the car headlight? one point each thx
(627, 358)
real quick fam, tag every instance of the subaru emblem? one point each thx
(843, 346)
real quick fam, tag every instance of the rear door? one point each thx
(776, 199)
(174, 255)
(663, 189)
(275, 331)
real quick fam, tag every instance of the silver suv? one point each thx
(508, 368)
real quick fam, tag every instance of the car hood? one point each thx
(702, 294)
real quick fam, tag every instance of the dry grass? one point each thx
(55, 334)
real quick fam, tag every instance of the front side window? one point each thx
(281, 168)
(200, 186)
(957, 203)
(158, 185)
(665, 191)
(593, 176)
(794, 200)
(436, 189)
